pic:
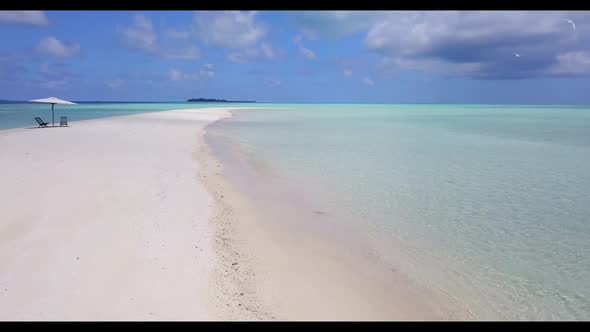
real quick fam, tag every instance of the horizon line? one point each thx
(5, 101)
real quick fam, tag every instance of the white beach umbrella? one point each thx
(52, 101)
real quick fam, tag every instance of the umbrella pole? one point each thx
(52, 120)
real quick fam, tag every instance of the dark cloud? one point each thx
(486, 41)
(468, 43)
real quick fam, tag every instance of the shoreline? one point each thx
(234, 291)
(122, 180)
(306, 269)
(151, 217)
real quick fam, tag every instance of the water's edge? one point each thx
(232, 289)
(297, 270)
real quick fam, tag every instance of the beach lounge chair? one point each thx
(40, 122)
(63, 121)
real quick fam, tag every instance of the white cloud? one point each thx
(229, 29)
(316, 24)
(204, 74)
(140, 35)
(54, 47)
(478, 44)
(251, 54)
(243, 56)
(368, 81)
(114, 84)
(176, 75)
(307, 53)
(347, 72)
(26, 17)
(267, 50)
(273, 83)
(423, 32)
(237, 31)
(189, 53)
(572, 63)
(177, 34)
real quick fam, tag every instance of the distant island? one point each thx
(212, 100)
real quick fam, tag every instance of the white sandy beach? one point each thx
(133, 218)
(108, 220)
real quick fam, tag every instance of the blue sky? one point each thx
(384, 57)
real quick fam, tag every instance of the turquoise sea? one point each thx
(487, 203)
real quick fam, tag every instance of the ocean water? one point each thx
(19, 115)
(489, 204)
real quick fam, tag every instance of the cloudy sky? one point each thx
(534, 57)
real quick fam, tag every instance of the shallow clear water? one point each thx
(489, 204)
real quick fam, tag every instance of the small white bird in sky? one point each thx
(572, 23)
(517, 55)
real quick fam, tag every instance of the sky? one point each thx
(492, 57)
